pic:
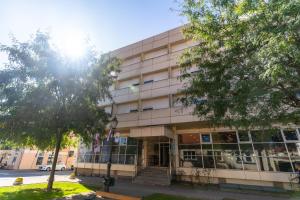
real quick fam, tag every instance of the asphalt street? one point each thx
(7, 177)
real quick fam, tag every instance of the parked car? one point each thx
(60, 167)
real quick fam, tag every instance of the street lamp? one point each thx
(108, 180)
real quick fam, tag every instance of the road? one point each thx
(7, 177)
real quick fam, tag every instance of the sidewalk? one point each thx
(126, 187)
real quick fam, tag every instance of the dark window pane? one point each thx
(131, 149)
(208, 162)
(244, 136)
(224, 137)
(130, 159)
(189, 139)
(188, 146)
(272, 135)
(290, 135)
(131, 141)
(122, 149)
(207, 146)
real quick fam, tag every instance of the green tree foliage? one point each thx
(248, 61)
(45, 96)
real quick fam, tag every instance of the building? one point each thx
(32, 158)
(156, 134)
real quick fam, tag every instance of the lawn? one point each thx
(167, 197)
(38, 191)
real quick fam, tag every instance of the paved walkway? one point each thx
(126, 187)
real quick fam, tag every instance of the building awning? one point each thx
(151, 131)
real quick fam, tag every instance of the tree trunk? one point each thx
(57, 147)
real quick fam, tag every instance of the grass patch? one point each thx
(38, 191)
(167, 197)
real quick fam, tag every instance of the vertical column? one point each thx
(176, 153)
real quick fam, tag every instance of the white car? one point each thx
(60, 167)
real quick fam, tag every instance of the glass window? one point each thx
(189, 139)
(122, 140)
(272, 135)
(290, 135)
(224, 137)
(228, 161)
(131, 150)
(131, 141)
(274, 164)
(294, 149)
(189, 155)
(244, 136)
(208, 162)
(206, 138)
(270, 149)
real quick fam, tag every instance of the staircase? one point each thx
(153, 176)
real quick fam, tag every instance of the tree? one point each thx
(44, 96)
(248, 61)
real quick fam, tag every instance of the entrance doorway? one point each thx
(158, 152)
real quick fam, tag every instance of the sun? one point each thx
(72, 44)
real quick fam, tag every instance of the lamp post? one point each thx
(108, 180)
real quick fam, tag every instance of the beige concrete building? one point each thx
(32, 158)
(156, 134)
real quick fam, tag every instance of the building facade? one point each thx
(31, 158)
(155, 131)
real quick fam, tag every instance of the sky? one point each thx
(109, 24)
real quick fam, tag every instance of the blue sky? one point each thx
(110, 24)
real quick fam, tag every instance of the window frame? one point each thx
(191, 157)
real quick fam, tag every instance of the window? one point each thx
(290, 135)
(272, 135)
(135, 84)
(50, 159)
(244, 136)
(189, 139)
(149, 81)
(189, 155)
(39, 160)
(224, 137)
(147, 108)
(134, 110)
(122, 140)
(70, 153)
(206, 138)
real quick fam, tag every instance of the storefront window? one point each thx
(258, 150)
(124, 151)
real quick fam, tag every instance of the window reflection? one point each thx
(263, 150)
(266, 136)
(224, 137)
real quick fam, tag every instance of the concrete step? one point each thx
(153, 176)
